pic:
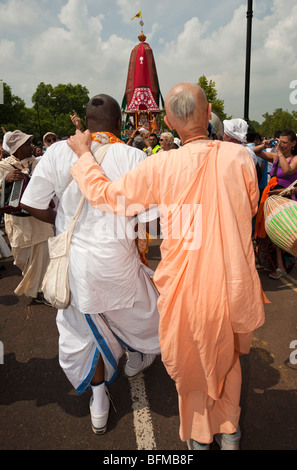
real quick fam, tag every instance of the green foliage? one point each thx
(54, 105)
(51, 110)
(254, 126)
(212, 96)
(62, 99)
(12, 110)
(278, 120)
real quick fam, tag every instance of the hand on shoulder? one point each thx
(81, 142)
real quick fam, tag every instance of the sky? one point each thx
(89, 42)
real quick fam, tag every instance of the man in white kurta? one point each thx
(108, 282)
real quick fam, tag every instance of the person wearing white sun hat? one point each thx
(27, 235)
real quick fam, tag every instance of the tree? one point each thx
(278, 120)
(61, 99)
(69, 97)
(43, 96)
(12, 110)
(212, 96)
(51, 110)
(53, 106)
(254, 126)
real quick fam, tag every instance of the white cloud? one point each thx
(7, 50)
(74, 16)
(75, 52)
(18, 14)
(217, 55)
(274, 59)
(221, 56)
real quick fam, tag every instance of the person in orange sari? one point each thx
(211, 298)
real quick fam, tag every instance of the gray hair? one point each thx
(138, 142)
(182, 104)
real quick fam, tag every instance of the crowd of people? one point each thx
(200, 307)
(151, 143)
(273, 157)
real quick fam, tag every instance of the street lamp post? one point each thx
(38, 117)
(249, 16)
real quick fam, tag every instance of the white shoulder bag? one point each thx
(55, 284)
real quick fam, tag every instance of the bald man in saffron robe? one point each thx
(211, 298)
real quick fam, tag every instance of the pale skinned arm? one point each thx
(288, 168)
(260, 152)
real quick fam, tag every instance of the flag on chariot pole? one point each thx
(137, 16)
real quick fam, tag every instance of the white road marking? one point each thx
(143, 425)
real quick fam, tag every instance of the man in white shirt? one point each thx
(113, 300)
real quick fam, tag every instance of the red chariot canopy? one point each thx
(142, 88)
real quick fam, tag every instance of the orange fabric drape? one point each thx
(260, 231)
(112, 138)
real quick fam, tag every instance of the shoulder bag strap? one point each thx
(100, 151)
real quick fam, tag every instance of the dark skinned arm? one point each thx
(45, 215)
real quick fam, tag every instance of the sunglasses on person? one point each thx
(54, 139)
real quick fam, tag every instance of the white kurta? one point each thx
(105, 272)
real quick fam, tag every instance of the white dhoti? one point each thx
(32, 261)
(28, 240)
(86, 336)
(83, 338)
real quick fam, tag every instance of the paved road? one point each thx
(39, 410)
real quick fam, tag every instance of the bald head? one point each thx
(104, 114)
(187, 110)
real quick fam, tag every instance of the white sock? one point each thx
(135, 359)
(100, 399)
